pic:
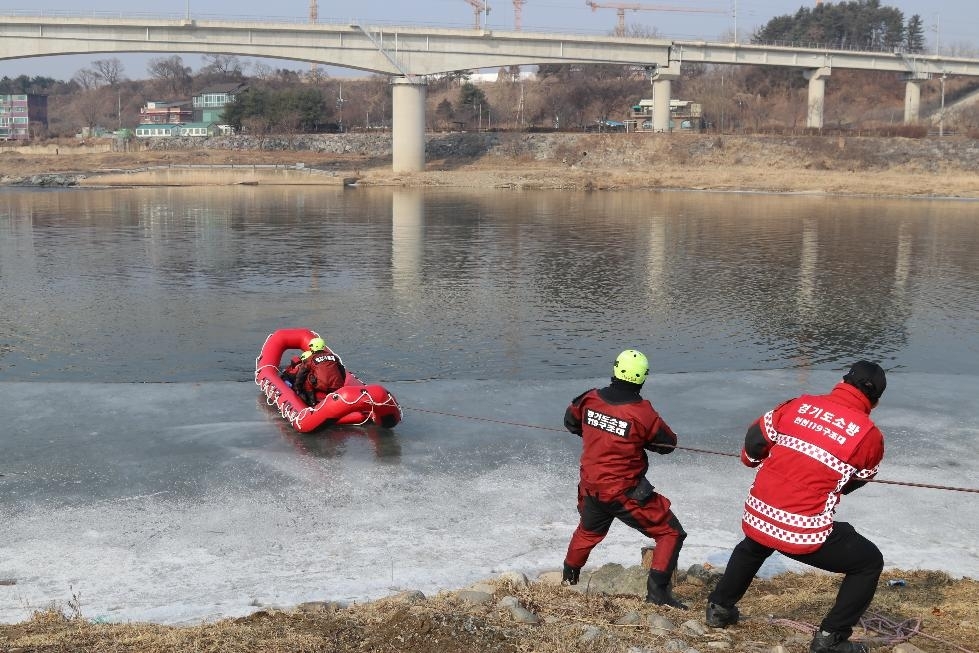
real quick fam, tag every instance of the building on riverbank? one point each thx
(23, 116)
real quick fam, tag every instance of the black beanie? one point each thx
(867, 377)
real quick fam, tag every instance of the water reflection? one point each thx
(407, 240)
(182, 285)
(334, 441)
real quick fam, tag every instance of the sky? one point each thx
(948, 23)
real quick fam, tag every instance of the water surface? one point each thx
(142, 471)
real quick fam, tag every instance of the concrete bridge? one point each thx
(409, 54)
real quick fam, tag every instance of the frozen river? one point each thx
(142, 473)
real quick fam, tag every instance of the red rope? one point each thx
(705, 451)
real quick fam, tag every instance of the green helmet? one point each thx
(317, 344)
(631, 366)
(306, 354)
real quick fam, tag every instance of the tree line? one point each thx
(852, 25)
(562, 97)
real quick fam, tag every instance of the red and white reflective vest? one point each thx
(816, 444)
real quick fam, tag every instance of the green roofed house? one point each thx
(209, 104)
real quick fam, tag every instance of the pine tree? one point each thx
(854, 24)
(914, 40)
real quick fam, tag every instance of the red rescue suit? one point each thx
(811, 449)
(617, 426)
(319, 375)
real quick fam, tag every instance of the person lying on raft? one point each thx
(288, 374)
(320, 374)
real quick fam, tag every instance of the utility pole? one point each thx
(340, 102)
(941, 112)
(520, 107)
(734, 11)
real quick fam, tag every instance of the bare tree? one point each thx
(171, 73)
(223, 65)
(263, 71)
(92, 107)
(377, 98)
(110, 70)
(638, 31)
(87, 79)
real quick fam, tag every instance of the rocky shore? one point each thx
(913, 611)
(839, 165)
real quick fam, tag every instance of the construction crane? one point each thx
(621, 8)
(480, 8)
(517, 13)
(314, 14)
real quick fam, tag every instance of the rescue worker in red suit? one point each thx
(320, 374)
(617, 426)
(809, 451)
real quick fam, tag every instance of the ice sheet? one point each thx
(175, 503)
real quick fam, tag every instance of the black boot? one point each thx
(658, 590)
(570, 575)
(824, 642)
(719, 617)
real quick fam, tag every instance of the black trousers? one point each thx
(653, 518)
(844, 552)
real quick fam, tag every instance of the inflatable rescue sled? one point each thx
(354, 403)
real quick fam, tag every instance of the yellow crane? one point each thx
(621, 8)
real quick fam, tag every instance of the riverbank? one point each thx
(838, 165)
(927, 611)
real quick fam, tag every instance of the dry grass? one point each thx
(446, 624)
(18, 164)
(837, 166)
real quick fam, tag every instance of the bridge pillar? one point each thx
(912, 101)
(817, 95)
(662, 90)
(408, 124)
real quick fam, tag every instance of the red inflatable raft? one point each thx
(354, 403)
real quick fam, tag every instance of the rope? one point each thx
(893, 632)
(704, 451)
(890, 631)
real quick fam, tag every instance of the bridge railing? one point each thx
(815, 45)
(259, 19)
